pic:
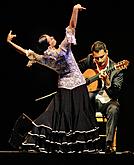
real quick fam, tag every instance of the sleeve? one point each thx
(69, 39)
(44, 60)
(116, 85)
(70, 35)
(33, 57)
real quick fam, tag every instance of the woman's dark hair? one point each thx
(97, 46)
(42, 44)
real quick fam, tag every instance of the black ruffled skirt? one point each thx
(68, 125)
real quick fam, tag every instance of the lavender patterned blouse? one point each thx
(72, 76)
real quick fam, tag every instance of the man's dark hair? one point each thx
(97, 46)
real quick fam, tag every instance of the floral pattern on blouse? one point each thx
(62, 61)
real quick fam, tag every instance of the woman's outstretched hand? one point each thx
(79, 7)
(10, 36)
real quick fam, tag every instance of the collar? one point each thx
(106, 65)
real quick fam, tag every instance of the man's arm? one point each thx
(116, 86)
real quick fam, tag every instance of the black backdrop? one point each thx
(109, 21)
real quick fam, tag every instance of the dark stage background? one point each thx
(110, 21)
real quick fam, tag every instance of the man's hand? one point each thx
(104, 76)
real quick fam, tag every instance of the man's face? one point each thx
(100, 57)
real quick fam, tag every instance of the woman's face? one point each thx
(50, 40)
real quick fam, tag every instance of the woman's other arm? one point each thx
(10, 37)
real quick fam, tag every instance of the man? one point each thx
(104, 82)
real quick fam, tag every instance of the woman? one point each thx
(68, 125)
